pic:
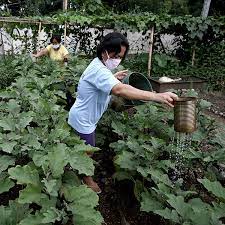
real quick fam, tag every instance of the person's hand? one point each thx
(121, 74)
(34, 55)
(167, 98)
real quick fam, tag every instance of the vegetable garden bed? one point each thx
(135, 167)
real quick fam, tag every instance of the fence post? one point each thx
(150, 51)
(65, 27)
(65, 6)
(39, 31)
(2, 44)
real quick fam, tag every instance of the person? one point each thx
(56, 51)
(95, 87)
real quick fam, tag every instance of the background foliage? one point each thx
(43, 7)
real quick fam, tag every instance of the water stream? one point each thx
(180, 142)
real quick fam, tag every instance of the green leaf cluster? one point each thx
(40, 154)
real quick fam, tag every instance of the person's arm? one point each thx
(65, 54)
(41, 53)
(129, 92)
(65, 60)
(66, 57)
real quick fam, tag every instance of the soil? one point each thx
(217, 110)
(117, 202)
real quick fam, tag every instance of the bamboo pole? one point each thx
(33, 21)
(3, 49)
(150, 51)
(39, 28)
(193, 56)
(65, 27)
(65, 5)
(39, 31)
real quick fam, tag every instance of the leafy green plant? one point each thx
(39, 151)
(167, 178)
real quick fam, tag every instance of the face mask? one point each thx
(56, 46)
(112, 63)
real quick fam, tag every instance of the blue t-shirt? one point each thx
(93, 96)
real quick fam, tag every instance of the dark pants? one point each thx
(88, 138)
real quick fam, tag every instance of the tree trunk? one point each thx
(205, 9)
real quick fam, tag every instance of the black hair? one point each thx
(56, 37)
(112, 43)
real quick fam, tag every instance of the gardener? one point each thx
(96, 85)
(56, 51)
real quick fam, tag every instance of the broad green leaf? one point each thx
(198, 205)
(84, 148)
(32, 219)
(13, 107)
(8, 94)
(202, 214)
(119, 128)
(13, 213)
(24, 119)
(122, 175)
(58, 134)
(87, 216)
(5, 162)
(138, 189)
(58, 160)
(81, 162)
(218, 210)
(70, 179)
(47, 202)
(40, 158)
(144, 171)
(84, 202)
(214, 187)
(51, 215)
(157, 142)
(31, 194)
(81, 195)
(182, 208)
(219, 137)
(48, 216)
(24, 175)
(12, 136)
(168, 214)
(204, 104)
(158, 176)
(149, 203)
(51, 186)
(126, 160)
(5, 183)
(8, 146)
(8, 124)
(201, 218)
(32, 141)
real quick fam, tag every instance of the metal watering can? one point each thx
(185, 114)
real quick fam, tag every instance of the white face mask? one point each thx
(56, 46)
(112, 63)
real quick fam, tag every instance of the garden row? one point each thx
(42, 158)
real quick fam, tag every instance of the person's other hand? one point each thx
(121, 74)
(167, 98)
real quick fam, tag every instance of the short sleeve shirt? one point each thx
(93, 96)
(57, 55)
